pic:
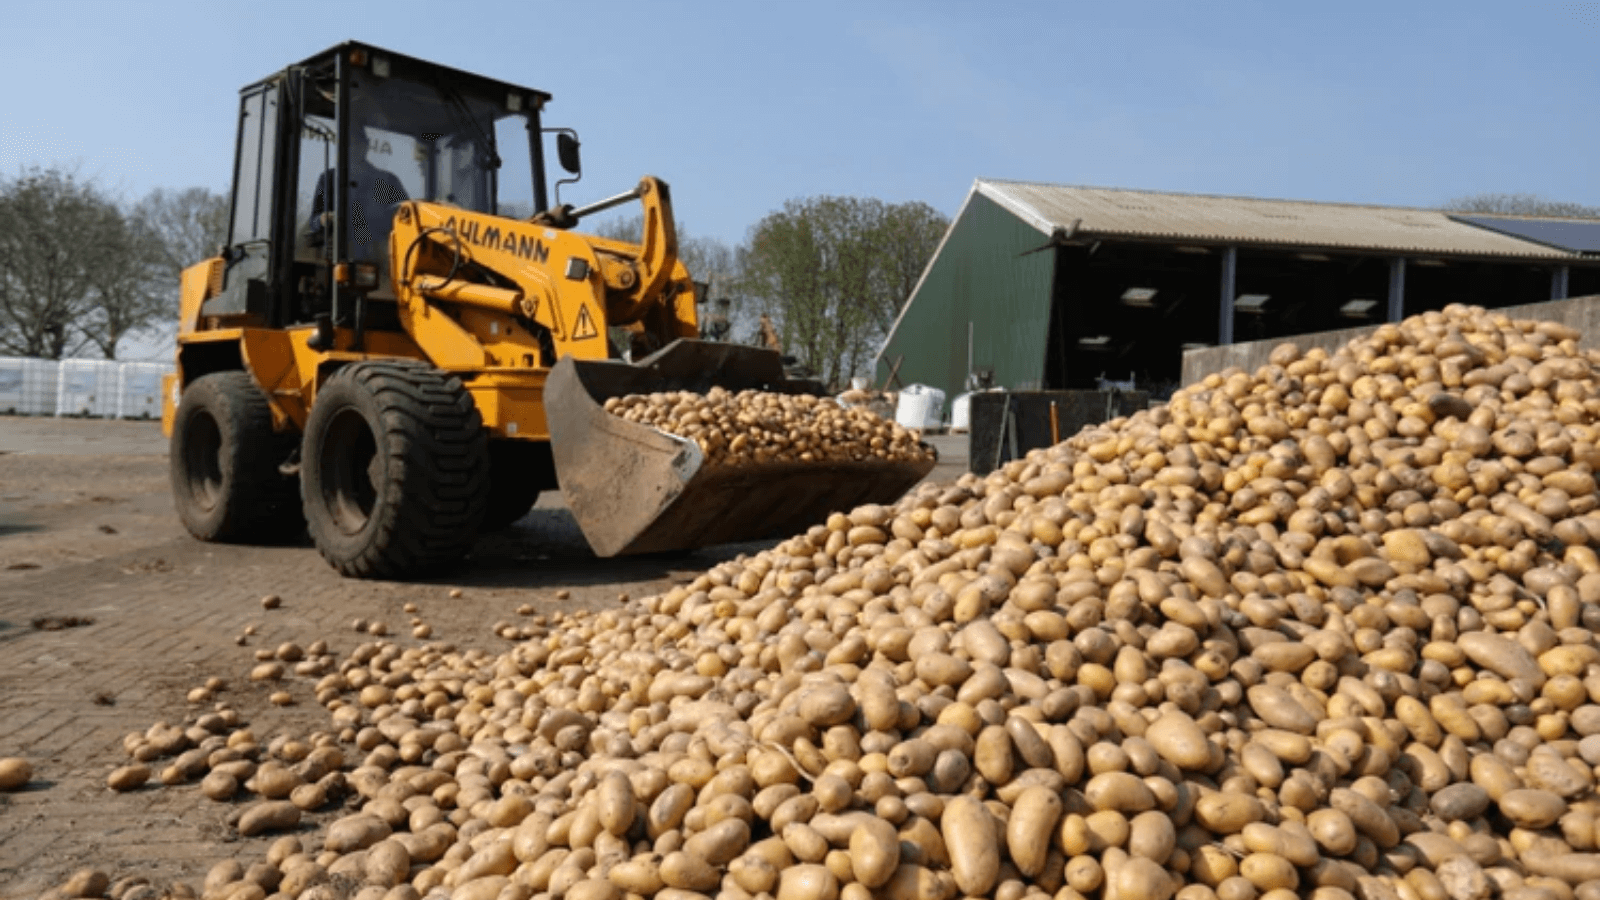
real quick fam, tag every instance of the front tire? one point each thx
(224, 459)
(394, 470)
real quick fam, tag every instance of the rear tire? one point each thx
(394, 470)
(224, 459)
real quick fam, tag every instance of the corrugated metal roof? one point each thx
(1110, 212)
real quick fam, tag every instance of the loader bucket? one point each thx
(636, 489)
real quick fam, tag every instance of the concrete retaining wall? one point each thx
(1582, 313)
(1006, 425)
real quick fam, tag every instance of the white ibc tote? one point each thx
(27, 386)
(961, 412)
(87, 387)
(139, 389)
(921, 407)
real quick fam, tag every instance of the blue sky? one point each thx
(742, 105)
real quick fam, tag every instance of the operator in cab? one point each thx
(373, 195)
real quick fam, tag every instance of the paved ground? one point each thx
(87, 532)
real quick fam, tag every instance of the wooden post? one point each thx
(894, 372)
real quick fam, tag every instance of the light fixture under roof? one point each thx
(1139, 296)
(1358, 308)
(1431, 263)
(1251, 303)
(1095, 342)
(1313, 257)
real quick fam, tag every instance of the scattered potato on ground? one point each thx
(14, 773)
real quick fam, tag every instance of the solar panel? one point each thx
(1564, 234)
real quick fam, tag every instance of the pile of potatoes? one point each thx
(1326, 630)
(755, 427)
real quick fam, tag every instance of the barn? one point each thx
(1054, 287)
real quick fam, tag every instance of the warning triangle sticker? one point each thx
(583, 329)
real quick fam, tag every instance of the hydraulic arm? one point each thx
(477, 291)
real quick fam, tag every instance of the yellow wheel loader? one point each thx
(403, 342)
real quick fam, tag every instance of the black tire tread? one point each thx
(437, 471)
(261, 504)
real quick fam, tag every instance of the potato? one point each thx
(493, 858)
(1180, 741)
(1151, 836)
(1531, 808)
(14, 773)
(488, 887)
(1138, 878)
(388, 863)
(1226, 813)
(874, 852)
(973, 844)
(1033, 819)
(356, 832)
(219, 786)
(807, 882)
(720, 843)
(86, 883)
(127, 778)
(429, 844)
(686, 872)
(615, 803)
(268, 815)
(640, 875)
(1120, 791)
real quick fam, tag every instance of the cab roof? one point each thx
(401, 64)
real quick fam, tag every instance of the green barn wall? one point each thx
(983, 274)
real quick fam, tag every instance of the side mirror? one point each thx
(567, 152)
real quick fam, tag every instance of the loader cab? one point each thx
(328, 149)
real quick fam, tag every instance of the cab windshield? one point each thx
(413, 140)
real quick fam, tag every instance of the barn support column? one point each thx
(1230, 272)
(1397, 289)
(1558, 283)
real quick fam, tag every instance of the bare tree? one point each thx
(77, 272)
(1521, 205)
(51, 252)
(704, 257)
(131, 289)
(163, 234)
(189, 224)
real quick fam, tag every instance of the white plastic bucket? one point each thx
(87, 387)
(139, 389)
(920, 407)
